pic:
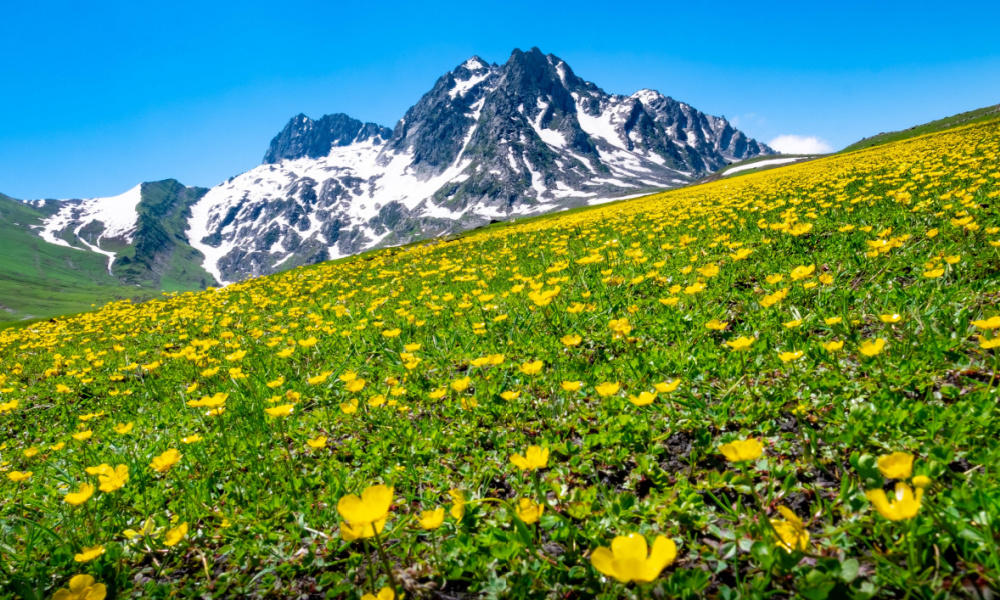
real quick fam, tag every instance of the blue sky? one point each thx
(97, 97)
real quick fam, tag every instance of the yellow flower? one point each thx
(626, 560)
(571, 340)
(19, 476)
(790, 356)
(284, 353)
(535, 458)
(192, 439)
(986, 344)
(741, 450)
(113, 479)
(898, 465)
(317, 442)
(833, 346)
(530, 368)
(772, 279)
(740, 343)
(608, 388)
(803, 272)
(833, 320)
(163, 462)
(350, 407)
(371, 507)
(792, 534)
(933, 273)
(991, 323)
(792, 324)
(175, 535)
(355, 385)
(82, 587)
(571, 386)
(308, 343)
(741, 254)
(280, 411)
(78, 498)
(29, 452)
(643, 399)
(922, 481)
(81, 436)
(460, 385)
(458, 503)
(892, 318)
(89, 554)
(431, 519)
(716, 325)
(510, 395)
(952, 259)
(441, 392)
(391, 333)
(383, 594)
(691, 290)
(669, 301)
(58, 446)
(709, 270)
(321, 378)
(276, 383)
(667, 387)
(872, 347)
(529, 511)
(123, 428)
(903, 506)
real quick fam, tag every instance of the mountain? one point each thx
(487, 142)
(141, 233)
(41, 279)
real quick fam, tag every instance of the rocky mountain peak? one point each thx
(303, 137)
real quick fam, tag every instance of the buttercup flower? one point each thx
(431, 519)
(529, 511)
(904, 505)
(535, 458)
(792, 533)
(898, 465)
(627, 560)
(741, 450)
(89, 554)
(82, 587)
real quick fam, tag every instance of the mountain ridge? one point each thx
(486, 142)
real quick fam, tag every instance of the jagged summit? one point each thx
(303, 137)
(488, 141)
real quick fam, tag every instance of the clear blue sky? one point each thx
(98, 96)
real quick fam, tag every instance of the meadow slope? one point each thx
(730, 375)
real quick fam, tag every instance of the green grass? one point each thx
(38, 279)
(428, 368)
(967, 118)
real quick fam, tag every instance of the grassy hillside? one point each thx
(160, 255)
(979, 115)
(38, 279)
(701, 393)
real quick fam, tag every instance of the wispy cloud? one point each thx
(800, 144)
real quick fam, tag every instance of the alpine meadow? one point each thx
(779, 382)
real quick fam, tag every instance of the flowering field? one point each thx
(783, 382)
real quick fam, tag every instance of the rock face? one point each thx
(303, 137)
(486, 142)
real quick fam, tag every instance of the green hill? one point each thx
(966, 118)
(772, 386)
(39, 279)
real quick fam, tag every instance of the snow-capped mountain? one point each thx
(486, 142)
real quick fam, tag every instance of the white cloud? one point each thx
(800, 144)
